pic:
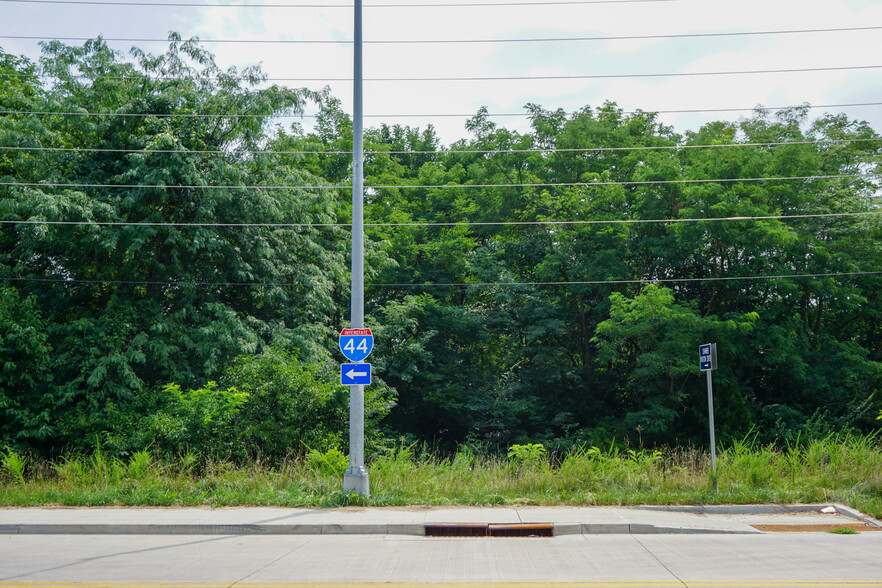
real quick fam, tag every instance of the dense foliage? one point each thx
(186, 261)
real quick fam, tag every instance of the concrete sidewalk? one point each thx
(738, 519)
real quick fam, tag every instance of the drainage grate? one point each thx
(489, 530)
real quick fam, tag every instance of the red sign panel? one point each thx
(356, 333)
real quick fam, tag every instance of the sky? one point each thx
(333, 23)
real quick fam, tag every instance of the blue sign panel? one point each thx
(707, 357)
(353, 374)
(356, 344)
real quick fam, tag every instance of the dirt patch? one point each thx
(815, 528)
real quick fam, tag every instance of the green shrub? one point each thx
(291, 404)
(203, 420)
(528, 454)
(332, 463)
(14, 465)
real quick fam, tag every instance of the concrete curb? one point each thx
(418, 529)
(764, 509)
(148, 529)
(560, 529)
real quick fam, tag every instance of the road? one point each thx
(358, 561)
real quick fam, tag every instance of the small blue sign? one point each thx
(354, 374)
(707, 357)
(356, 344)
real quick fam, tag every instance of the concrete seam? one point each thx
(268, 564)
(660, 562)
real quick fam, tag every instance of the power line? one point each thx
(201, 284)
(443, 151)
(426, 115)
(588, 76)
(438, 186)
(616, 37)
(348, 6)
(636, 281)
(500, 78)
(463, 41)
(285, 225)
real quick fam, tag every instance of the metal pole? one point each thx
(356, 477)
(710, 414)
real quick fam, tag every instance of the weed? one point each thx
(843, 531)
(529, 454)
(845, 469)
(71, 469)
(332, 463)
(14, 464)
(139, 464)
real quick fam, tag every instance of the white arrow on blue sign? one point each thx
(354, 374)
(356, 344)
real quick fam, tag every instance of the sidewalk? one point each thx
(740, 519)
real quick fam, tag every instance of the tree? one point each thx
(187, 259)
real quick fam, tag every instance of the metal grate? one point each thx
(489, 530)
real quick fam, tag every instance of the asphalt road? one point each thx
(359, 561)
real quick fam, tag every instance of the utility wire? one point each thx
(348, 6)
(497, 78)
(72, 281)
(587, 76)
(462, 41)
(443, 151)
(416, 186)
(428, 115)
(274, 225)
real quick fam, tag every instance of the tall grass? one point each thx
(838, 468)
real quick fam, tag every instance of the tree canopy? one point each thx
(162, 228)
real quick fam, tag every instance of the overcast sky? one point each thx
(604, 57)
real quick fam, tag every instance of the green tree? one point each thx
(203, 263)
(24, 349)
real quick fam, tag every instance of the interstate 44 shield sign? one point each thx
(356, 344)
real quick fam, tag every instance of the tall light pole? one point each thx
(356, 477)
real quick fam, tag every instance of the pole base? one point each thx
(356, 481)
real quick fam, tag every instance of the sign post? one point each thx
(356, 477)
(707, 361)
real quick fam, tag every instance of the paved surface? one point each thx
(410, 521)
(397, 561)
(353, 547)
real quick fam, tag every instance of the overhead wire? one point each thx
(586, 76)
(442, 152)
(502, 78)
(424, 41)
(204, 284)
(67, 281)
(505, 4)
(441, 186)
(425, 115)
(287, 225)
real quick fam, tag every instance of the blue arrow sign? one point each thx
(354, 374)
(356, 344)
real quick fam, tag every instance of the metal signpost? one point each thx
(356, 477)
(707, 361)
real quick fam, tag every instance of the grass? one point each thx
(844, 469)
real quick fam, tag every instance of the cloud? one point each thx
(519, 59)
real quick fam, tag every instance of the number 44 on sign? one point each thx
(356, 344)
